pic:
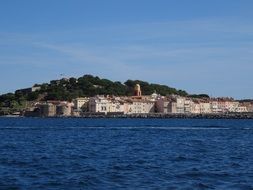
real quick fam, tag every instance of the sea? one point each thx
(79, 153)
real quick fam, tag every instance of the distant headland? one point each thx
(91, 96)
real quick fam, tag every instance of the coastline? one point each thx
(174, 116)
(248, 115)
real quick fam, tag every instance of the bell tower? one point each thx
(137, 90)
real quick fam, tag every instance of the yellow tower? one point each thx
(137, 90)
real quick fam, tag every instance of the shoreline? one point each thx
(150, 116)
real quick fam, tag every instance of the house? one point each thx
(81, 104)
(163, 105)
(28, 90)
(195, 107)
(140, 106)
(98, 104)
(205, 107)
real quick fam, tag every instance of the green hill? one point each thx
(88, 85)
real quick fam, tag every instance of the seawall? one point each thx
(176, 116)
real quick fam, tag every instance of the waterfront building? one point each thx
(64, 109)
(172, 107)
(54, 108)
(241, 109)
(98, 104)
(180, 104)
(168, 105)
(188, 105)
(195, 108)
(140, 106)
(102, 104)
(231, 106)
(81, 104)
(117, 106)
(47, 110)
(222, 105)
(205, 107)
(163, 105)
(215, 106)
(174, 104)
(248, 105)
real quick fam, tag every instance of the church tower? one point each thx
(137, 90)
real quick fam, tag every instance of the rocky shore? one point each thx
(154, 115)
(176, 116)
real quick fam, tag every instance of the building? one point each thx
(154, 96)
(28, 90)
(135, 106)
(180, 104)
(248, 105)
(64, 109)
(163, 105)
(215, 106)
(195, 108)
(205, 107)
(241, 109)
(117, 106)
(98, 104)
(188, 105)
(175, 104)
(172, 107)
(58, 82)
(121, 105)
(137, 90)
(47, 110)
(101, 104)
(81, 104)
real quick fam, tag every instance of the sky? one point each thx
(201, 46)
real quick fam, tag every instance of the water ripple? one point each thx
(125, 154)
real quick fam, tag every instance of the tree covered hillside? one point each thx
(88, 85)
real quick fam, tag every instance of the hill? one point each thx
(88, 85)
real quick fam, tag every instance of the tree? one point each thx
(86, 85)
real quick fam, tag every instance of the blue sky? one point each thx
(201, 46)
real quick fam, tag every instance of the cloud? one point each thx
(192, 55)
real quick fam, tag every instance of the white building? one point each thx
(215, 106)
(140, 106)
(116, 106)
(101, 104)
(231, 106)
(241, 109)
(180, 104)
(195, 108)
(81, 104)
(205, 107)
(174, 105)
(98, 104)
(188, 103)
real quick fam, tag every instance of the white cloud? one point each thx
(178, 53)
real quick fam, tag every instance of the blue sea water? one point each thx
(67, 153)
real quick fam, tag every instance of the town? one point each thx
(135, 104)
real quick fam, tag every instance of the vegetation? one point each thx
(245, 100)
(199, 96)
(88, 85)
